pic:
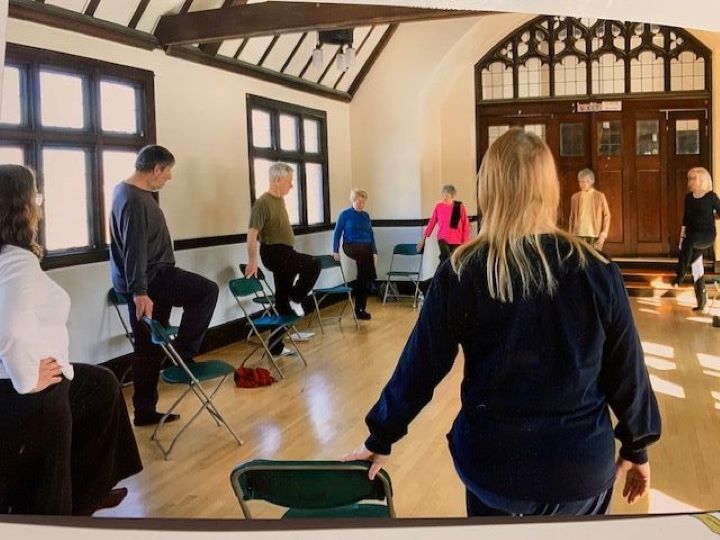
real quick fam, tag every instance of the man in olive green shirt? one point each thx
(270, 222)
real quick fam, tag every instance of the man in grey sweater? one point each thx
(142, 264)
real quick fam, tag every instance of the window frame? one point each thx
(32, 137)
(300, 157)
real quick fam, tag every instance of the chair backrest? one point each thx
(405, 249)
(241, 287)
(260, 274)
(158, 333)
(116, 298)
(309, 485)
(328, 262)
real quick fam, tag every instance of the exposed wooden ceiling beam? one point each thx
(139, 12)
(251, 70)
(357, 81)
(66, 19)
(213, 48)
(269, 18)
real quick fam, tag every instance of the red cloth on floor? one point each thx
(253, 377)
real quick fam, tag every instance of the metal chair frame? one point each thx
(404, 250)
(328, 262)
(312, 503)
(193, 373)
(269, 319)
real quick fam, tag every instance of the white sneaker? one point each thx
(302, 336)
(297, 308)
(287, 352)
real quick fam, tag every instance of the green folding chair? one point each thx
(191, 375)
(121, 299)
(413, 276)
(314, 489)
(328, 262)
(269, 320)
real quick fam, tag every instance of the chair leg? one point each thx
(387, 286)
(317, 310)
(156, 432)
(297, 349)
(417, 293)
(352, 310)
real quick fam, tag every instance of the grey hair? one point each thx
(449, 189)
(587, 174)
(356, 194)
(278, 170)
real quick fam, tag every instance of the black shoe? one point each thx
(700, 295)
(363, 315)
(153, 418)
(111, 500)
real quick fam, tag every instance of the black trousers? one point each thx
(62, 450)
(446, 250)
(364, 258)
(286, 264)
(172, 287)
(693, 245)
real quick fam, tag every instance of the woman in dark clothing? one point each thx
(65, 436)
(358, 241)
(702, 207)
(550, 347)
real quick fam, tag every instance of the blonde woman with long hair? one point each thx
(702, 207)
(550, 347)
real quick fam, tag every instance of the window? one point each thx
(564, 56)
(78, 123)
(295, 135)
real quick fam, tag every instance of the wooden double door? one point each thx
(640, 156)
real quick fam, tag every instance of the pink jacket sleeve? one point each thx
(431, 224)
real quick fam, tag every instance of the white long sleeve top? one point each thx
(33, 319)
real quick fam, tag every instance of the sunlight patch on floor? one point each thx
(661, 386)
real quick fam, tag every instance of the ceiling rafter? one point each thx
(236, 66)
(293, 52)
(139, 12)
(66, 19)
(213, 48)
(274, 17)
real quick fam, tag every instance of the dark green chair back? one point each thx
(260, 274)
(327, 261)
(245, 287)
(158, 332)
(405, 249)
(324, 486)
(116, 298)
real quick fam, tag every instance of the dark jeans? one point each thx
(172, 287)
(64, 448)
(286, 264)
(594, 506)
(693, 245)
(363, 256)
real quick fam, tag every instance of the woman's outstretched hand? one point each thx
(363, 454)
(637, 479)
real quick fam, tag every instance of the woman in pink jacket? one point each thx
(454, 225)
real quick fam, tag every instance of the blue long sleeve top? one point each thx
(540, 376)
(355, 228)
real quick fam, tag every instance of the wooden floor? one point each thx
(317, 413)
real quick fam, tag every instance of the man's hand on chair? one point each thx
(251, 269)
(143, 306)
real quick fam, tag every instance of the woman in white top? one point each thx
(65, 436)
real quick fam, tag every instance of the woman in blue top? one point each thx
(549, 346)
(354, 227)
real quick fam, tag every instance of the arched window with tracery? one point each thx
(569, 57)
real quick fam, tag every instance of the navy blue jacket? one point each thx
(539, 375)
